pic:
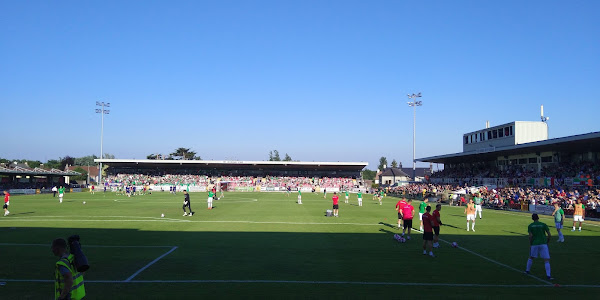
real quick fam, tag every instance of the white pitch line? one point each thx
(192, 221)
(89, 246)
(149, 264)
(541, 215)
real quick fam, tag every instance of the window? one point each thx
(511, 130)
(506, 131)
(500, 133)
(489, 135)
(466, 139)
(522, 161)
(495, 134)
(546, 159)
(533, 160)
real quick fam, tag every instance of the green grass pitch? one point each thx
(259, 245)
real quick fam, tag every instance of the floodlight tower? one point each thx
(102, 111)
(414, 104)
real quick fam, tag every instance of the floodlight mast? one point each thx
(414, 104)
(102, 111)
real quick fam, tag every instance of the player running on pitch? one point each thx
(186, 203)
(578, 214)
(422, 207)
(380, 197)
(559, 218)
(61, 193)
(539, 236)
(470, 211)
(437, 221)
(6, 203)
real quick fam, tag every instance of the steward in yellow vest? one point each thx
(68, 283)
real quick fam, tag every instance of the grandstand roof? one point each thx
(19, 170)
(574, 143)
(344, 166)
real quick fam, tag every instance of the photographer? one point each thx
(68, 282)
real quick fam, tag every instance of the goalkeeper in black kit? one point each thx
(186, 203)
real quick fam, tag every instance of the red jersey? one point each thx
(436, 215)
(400, 205)
(427, 222)
(335, 199)
(407, 212)
(6, 197)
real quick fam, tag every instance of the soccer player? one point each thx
(359, 195)
(61, 193)
(422, 207)
(92, 189)
(428, 232)
(578, 214)
(539, 236)
(381, 194)
(559, 218)
(186, 203)
(299, 196)
(407, 217)
(211, 194)
(399, 207)
(6, 203)
(288, 191)
(470, 211)
(324, 193)
(347, 196)
(335, 199)
(437, 221)
(477, 199)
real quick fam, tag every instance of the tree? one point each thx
(152, 156)
(274, 156)
(83, 176)
(183, 153)
(382, 163)
(287, 158)
(368, 174)
(67, 160)
(394, 163)
(85, 160)
(109, 156)
(52, 164)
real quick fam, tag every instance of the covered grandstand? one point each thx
(20, 178)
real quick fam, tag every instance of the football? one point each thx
(83, 202)
(454, 245)
(162, 215)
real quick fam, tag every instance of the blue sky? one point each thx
(320, 80)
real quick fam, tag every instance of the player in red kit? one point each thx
(428, 232)
(6, 203)
(335, 199)
(407, 216)
(399, 206)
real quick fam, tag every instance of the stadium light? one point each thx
(102, 111)
(414, 105)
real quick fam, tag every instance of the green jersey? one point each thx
(381, 193)
(347, 194)
(422, 207)
(538, 230)
(477, 200)
(61, 190)
(211, 194)
(359, 194)
(559, 215)
(299, 193)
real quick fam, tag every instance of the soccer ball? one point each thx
(83, 202)
(454, 245)
(162, 215)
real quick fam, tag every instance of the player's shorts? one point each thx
(558, 225)
(210, 199)
(577, 218)
(421, 216)
(347, 197)
(471, 217)
(336, 206)
(61, 195)
(299, 197)
(478, 207)
(5, 206)
(436, 230)
(540, 250)
(407, 223)
(399, 216)
(428, 236)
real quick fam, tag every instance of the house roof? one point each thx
(394, 172)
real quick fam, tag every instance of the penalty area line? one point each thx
(149, 264)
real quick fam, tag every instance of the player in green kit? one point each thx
(422, 208)
(211, 195)
(559, 218)
(477, 199)
(539, 236)
(347, 196)
(381, 194)
(61, 193)
(359, 194)
(299, 196)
